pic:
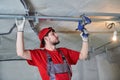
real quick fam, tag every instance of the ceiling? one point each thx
(63, 15)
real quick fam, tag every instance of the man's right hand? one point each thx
(84, 35)
(20, 24)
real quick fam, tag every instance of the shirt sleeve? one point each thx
(72, 56)
(33, 57)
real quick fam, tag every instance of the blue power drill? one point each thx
(81, 25)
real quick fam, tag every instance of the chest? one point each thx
(56, 57)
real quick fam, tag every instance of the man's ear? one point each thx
(45, 38)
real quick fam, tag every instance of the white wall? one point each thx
(18, 70)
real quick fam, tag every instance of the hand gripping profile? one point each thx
(20, 24)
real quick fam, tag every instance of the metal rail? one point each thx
(55, 18)
(13, 16)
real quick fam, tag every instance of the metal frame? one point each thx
(18, 16)
(56, 18)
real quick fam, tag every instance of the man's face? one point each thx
(53, 38)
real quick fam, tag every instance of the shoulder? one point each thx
(64, 49)
(37, 53)
(68, 50)
(36, 50)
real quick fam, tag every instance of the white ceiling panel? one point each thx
(11, 7)
(101, 12)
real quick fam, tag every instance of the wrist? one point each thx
(85, 41)
(20, 31)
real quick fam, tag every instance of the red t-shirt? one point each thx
(39, 59)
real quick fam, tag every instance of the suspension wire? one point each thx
(12, 60)
(25, 6)
(28, 14)
(10, 31)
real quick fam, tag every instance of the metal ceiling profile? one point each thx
(13, 16)
(56, 18)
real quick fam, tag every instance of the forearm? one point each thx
(84, 50)
(20, 44)
(20, 40)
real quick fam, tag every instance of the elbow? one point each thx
(83, 56)
(19, 53)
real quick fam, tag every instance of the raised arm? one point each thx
(84, 49)
(20, 40)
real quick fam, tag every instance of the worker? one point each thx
(53, 63)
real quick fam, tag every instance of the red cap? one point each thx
(43, 33)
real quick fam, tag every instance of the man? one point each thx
(53, 63)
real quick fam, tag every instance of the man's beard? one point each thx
(56, 43)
